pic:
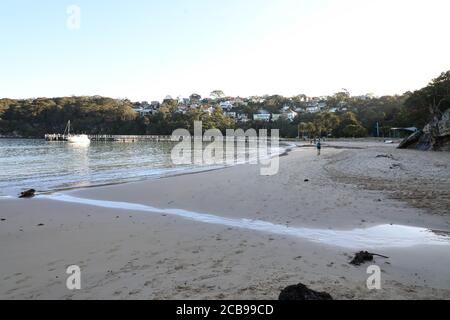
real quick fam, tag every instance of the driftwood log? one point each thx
(363, 257)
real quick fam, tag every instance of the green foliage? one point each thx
(35, 117)
(354, 131)
(351, 116)
(217, 94)
(430, 101)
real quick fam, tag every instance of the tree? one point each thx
(307, 129)
(302, 129)
(327, 122)
(339, 99)
(195, 97)
(354, 131)
(217, 94)
(347, 119)
(429, 102)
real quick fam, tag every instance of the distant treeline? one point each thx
(100, 115)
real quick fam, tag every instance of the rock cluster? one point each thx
(435, 136)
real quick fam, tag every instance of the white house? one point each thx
(314, 109)
(231, 114)
(226, 105)
(290, 115)
(143, 112)
(242, 117)
(208, 110)
(276, 116)
(261, 117)
(286, 108)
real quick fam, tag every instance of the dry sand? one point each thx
(125, 254)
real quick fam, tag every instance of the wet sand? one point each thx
(132, 254)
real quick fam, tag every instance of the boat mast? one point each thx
(67, 129)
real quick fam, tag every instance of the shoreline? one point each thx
(126, 254)
(285, 149)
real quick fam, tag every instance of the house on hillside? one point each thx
(262, 115)
(208, 109)
(226, 105)
(313, 109)
(231, 114)
(155, 105)
(289, 114)
(143, 108)
(276, 116)
(242, 117)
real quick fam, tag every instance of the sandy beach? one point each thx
(132, 254)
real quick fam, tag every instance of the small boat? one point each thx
(79, 139)
(75, 138)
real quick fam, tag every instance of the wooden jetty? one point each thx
(127, 138)
(111, 138)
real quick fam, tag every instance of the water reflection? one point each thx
(47, 166)
(56, 165)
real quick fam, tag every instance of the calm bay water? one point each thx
(49, 166)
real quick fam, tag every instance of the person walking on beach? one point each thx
(319, 147)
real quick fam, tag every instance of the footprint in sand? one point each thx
(134, 292)
(23, 280)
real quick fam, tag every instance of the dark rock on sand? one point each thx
(302, 292)
(28, 194)
(435, 135)
(411, 141)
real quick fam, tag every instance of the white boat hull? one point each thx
(79, 139)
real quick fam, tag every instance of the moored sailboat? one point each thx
(75, 138)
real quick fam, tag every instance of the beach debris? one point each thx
(306, 180)
(363, 257)
(2, 219)
(41, 225)
(302, 292)
(397, 165)
(389, 156)
(28, 194)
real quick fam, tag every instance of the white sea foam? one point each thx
(382, 236)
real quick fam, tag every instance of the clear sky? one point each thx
(147, 49)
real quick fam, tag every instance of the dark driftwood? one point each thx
(364, 256)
